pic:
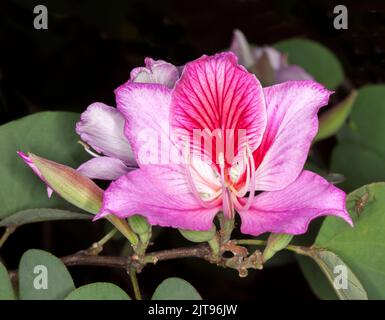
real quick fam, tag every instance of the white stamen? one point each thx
(88, 149)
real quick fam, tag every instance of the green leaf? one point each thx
(175, 289)
(98, 291)
(315, 58)
(360, 247)
(49, 134)
(317, 280)
(360, 156)
(328, 262)
(42, 276)
(40, 215)
(331, 121)
(6, 289)
(359, 164)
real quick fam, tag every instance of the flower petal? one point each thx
(146, 109)
(161, 194)
(292, 123)
(101, 126)
(275, 57)
(104, 168)
(290, 210)
(242, 49)
(216, 94)
(156, 71)
(291, 72)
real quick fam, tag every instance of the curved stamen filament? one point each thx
(194, 190)
(250, 184)
(88, 149)
(227, 203)
(244, 190)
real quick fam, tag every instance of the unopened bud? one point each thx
(275, 243)
(199, 236)
(67, 182)
(139, 224)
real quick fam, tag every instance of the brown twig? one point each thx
(82, 258)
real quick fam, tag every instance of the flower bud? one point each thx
(68, 183)
(275, 243)
(198, 236)
(139, 224)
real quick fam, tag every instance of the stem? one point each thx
(252, 242)
(107, 237)
(214, 245)
(124, 228)
(8, 231)
(227, 226)
(135, 284)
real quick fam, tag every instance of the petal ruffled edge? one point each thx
(292, 209)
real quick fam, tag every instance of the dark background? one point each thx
(90, 48)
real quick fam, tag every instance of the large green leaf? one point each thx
(42, 276)
(175, 289)
(362, 247)
(40, 215)
(359, 165)
(6, 289)
(360, 156)
(49, 134)
(98, 291)
(315, 58)
(329, 262)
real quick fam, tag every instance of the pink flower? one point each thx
(101, 126)
(269, 65)
(216, 95)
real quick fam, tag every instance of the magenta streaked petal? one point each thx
(101, 126)
(159, 193)
(104, 168)
(242, 49)
(146, 109)
(291, 72)
(292, 123)
(217, 94)
(292, 209)
(156, 71)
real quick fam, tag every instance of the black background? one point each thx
(89, 49)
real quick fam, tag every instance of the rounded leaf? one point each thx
(49, 134)
(6, 289)
(42, 276)
(175, 289)
(98, 291)
(315, 58)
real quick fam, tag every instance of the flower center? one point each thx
(226, 192)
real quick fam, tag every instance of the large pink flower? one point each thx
(217, 97)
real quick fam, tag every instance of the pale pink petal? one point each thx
(146, 108)
(292, 123)
(242, 49)
(291, 72)
(101, 126)
(159, 193)
(292, 209)
(216, 94)
(275, 57)
(104, 168)
(156, 71)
